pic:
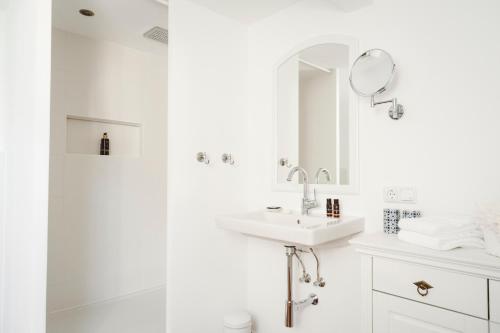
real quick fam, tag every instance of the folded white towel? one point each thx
(443, 243)
(492, 242)
(489, 220)
(433, 226)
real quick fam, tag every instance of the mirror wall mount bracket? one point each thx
(395, 115)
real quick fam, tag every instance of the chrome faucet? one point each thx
(326, 172)
(306, 202)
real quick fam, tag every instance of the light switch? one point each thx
(407, 194)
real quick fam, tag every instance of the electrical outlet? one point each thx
(391, 194)
(400, 194)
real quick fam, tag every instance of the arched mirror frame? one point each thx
(353, 186)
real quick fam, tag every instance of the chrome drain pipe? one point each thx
(290, 252)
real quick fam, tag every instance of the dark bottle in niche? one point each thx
(104, 144)
(336, 208)
(329, 208)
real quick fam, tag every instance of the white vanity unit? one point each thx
(407, 288)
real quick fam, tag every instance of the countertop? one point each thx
(475, 261)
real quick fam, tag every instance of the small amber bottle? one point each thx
(336, 208)
(329, 208)
(104, 144)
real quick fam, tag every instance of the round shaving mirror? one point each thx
(371, 74)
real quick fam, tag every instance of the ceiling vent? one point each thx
(158, 34)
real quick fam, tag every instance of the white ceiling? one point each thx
(351, 5)
(246, 11)
(249, 11)
(121, 21)
(125, 21)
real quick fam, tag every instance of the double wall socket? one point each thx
(400, 194)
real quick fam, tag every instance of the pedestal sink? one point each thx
(290, 227)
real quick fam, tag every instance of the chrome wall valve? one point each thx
(227, 158)
(202, 157)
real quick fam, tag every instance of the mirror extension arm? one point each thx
(395, 106)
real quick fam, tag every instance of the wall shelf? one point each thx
(104, 121)
(83, 135)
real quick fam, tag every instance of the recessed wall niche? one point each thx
(83, 135)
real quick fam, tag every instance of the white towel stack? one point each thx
(441, 233)
(489, 221)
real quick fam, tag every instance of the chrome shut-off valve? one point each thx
(305, 277)
(320, 282)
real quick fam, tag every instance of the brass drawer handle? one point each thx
(423, 287)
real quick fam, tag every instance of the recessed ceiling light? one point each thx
(86, 12)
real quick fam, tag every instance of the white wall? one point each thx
(25, 83)
(287, 118)
(3, 115)
(107, 229)
(3, 75)
(446, 144)
(206, 267)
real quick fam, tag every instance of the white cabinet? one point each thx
(411, 289)
(495, 301)
(450, 290)
(393, 314)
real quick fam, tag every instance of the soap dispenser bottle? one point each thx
(329, 208)
(336, 208)
(104, 144)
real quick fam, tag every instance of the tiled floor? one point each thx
(142, 313)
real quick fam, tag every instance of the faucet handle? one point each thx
(312, 203)
(308, 203)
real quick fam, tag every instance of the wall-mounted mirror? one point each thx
(371, 74)
(316, 117)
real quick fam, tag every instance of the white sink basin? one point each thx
(291, 228)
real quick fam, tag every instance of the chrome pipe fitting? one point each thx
(291, 306)
(290, 252)
(305, 276)
(320, 282)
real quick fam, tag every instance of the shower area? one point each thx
(107, 213)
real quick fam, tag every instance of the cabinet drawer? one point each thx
(453, 291)
(495, 301)
(393, 314)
